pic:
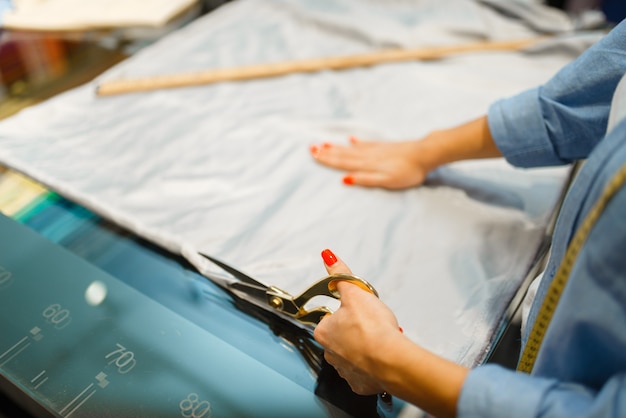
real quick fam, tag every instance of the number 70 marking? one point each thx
(123, 358)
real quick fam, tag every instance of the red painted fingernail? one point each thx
(349, 180)
(327, 145)
(401, 330)
(328, 257)
(354, 139)
(315, 150)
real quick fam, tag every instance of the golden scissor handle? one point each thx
(328, 287)
(294, 306)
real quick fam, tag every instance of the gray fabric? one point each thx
(618, 105)
(225, 169)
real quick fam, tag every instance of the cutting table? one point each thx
(108, 304)
(97, 322)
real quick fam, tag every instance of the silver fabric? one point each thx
(618, 105)
(225, 169)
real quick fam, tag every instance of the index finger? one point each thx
(333, 264)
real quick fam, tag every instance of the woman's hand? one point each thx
(391, 165)
(351, 336)
(363, 342)
(400, 165)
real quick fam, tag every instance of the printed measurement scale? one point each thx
(79, 342)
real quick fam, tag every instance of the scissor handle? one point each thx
(328, 287)
(294, 306)
(356, 280)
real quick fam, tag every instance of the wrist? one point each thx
(433, 150)
(471, 140)
(383, 364)
(412, 373)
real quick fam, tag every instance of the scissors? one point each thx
(278, 300)
(275, 299)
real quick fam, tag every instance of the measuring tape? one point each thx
(555, 290)
(112, 87)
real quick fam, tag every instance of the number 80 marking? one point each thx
(192, 407)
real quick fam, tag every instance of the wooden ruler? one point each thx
(555, 290)
(303, 66)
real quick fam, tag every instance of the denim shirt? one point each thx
(580, 370)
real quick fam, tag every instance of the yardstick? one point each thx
(546, 311)
(112, 87)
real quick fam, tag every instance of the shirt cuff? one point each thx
(493, 391)
(518, 128)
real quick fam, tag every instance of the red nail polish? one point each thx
(354, 139)
(401, 330)
(315, 150)
(328, 257)
(349, 180)
(327, 145)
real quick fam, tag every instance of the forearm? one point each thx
(471, 140)
(420, 377)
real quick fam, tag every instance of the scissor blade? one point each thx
(246, 290)
(236, 273)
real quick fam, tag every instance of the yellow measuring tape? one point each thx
(112, 87)
(555, 290)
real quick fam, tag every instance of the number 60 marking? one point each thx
(57, 316)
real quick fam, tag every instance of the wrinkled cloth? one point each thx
(225, 170)
(580, 370)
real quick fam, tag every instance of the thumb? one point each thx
(333, 264)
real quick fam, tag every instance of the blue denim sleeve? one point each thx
(562, 121)
(580, 370)
(493, 391)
